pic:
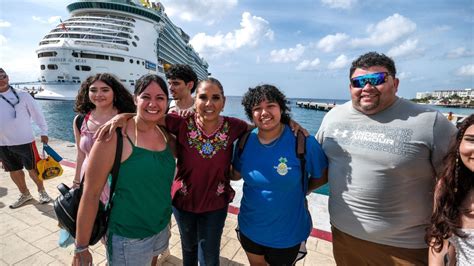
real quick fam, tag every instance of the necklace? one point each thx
(157, 128)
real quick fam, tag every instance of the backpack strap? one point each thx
(79, 121)
(300, 153)
(242, 141)
(116, 167)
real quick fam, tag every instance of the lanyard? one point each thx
(10, 103)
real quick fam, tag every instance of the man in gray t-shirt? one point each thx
(384, 153)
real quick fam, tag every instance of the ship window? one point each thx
(94, 56)
(52, 67)
(83, 68)
(75, 54)
(138, 62)
(143, 63)
(116, 58)
(47, 54)
(42, 67)
(134, 44)
(136, 38)
(131, 61)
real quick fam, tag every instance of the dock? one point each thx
(29, 234)
(316, 106)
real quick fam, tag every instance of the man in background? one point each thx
(17, 144)
(384, 153)
(182, 81)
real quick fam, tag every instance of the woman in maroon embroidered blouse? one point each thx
(201, 190)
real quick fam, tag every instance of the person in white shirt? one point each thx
(17, 144)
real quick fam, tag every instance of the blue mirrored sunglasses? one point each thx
(373, 79)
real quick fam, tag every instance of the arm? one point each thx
(37, 117)
(234, 174)
(101, 161)
(106, 131)
(315, 183)
(295, 127)
(80, 156)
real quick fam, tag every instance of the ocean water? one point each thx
(59, 116)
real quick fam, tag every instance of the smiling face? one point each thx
(151, 103)
(101, 94)
(466, 148)
(267, 115)
(373, 99)
(209, 102)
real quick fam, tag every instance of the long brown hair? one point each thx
(451, 189)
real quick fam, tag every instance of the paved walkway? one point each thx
(29, 234)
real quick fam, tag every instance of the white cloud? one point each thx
(50, 20)
(341, 62)
(459, 52)
(287, 55)
(252, 30)
(4, 24)
(404, 75)
(307, 65)
(408, 47)
(3, 40)
(331, 42)
(467, 70)
(386, 31)
(344, 4)
(208, 11)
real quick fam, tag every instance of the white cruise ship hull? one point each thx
(127, 38)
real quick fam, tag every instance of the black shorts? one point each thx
(16, 157)
(273, 256)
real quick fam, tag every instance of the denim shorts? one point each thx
(130, 251)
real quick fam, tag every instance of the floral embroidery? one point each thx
(184, 188)
(207, 147)
(220, 188)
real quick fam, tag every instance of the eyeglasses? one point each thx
(373, 79)
(3, 76)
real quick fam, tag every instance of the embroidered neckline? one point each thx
(207, 146)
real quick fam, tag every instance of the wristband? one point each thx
(80, 249)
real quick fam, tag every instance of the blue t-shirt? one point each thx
(272, 210)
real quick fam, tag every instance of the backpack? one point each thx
(300, 152)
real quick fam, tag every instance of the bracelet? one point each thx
(76, 182)
(80, 249)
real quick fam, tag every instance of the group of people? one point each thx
(391, 166)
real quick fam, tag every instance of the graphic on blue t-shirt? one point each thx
(282, 168)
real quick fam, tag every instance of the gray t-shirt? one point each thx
(382, 170)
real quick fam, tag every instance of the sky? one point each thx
(304, 47)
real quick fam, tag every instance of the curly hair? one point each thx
(451, 189)
(123, 99)
(183, 72)
(371, 59)
(145, 80)
(255, 96)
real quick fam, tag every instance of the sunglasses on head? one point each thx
(373, 79)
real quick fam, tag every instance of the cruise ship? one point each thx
(128, 38)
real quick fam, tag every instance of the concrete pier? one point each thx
(29, 234)
(315, 105)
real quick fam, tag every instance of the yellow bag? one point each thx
(48, 168)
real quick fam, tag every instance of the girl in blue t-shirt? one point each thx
(274, 222)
